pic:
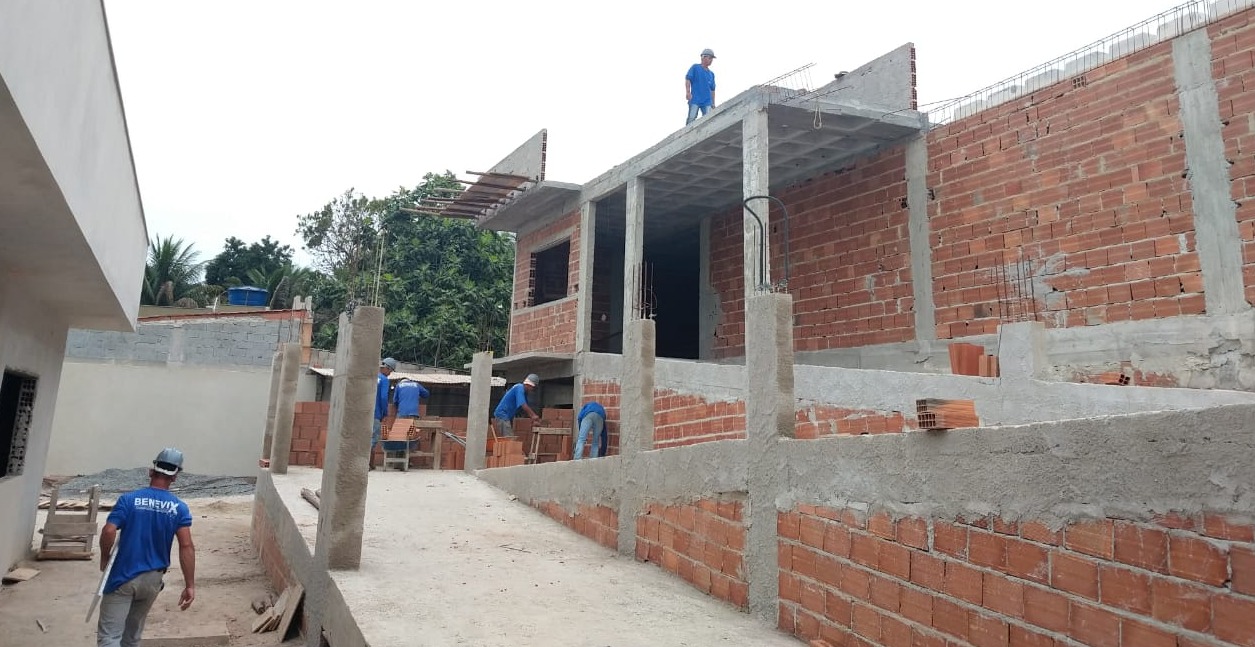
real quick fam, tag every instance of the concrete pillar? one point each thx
(1022, 351)
(707, 297)
(477, 419)
(636, 420)
(633, 252)
(343, 502)
(276, 374)
(285, 409)
(755, 181)
(769, 417)
(1215, 214)
(584, 292)
(919, 233)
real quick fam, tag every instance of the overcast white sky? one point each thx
(245, 114)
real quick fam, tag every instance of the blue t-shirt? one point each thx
(591, 407)
(701, 85)
(513, 400)
(147, 520)
(407, 396)
(381, 397)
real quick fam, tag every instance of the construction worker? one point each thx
(408, 397)
(149, 519)
(515, 398)
(699, 86)
(591, 421)
(386, 367)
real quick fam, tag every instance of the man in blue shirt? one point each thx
(515, 398)
(592, 420)
(699, 86)
(408, 397)
(149, 519)
(386, 367)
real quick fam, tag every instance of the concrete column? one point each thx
(1022, 351)
(633, 252)
(276, 374)
(281, 441)
(636, 420)
(584, 306)
(707, 298)
(919, 233)
(1215, 214)
(477, 419)
(755, 181)
(343, 507)
(769, 417)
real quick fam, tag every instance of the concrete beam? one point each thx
(584, 289)
(756, 181)
(636, 419)
(477, 411)
(276, 375)
(343, 510)
(769, 418)
(633, 250)
(918, 233)
(1215, 214)
(281, 442)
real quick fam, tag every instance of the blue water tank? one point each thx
(247, 296)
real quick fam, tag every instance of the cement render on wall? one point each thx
(120, 415)
(233, 341)
(31, 343)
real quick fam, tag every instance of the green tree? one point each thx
(282, 284)
(171, 272)
(237, 260)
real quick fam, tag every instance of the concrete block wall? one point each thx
(702, 542)
(231, 341)
(855, 578)
(550, 326)
(1233, 50)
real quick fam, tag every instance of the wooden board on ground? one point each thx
(289, 613)
(213, 633)
(63, 554)
(20, 575)
(263, 619)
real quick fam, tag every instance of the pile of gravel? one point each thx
(113, 482)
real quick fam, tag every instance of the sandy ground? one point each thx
(449, 560)
(228, 579)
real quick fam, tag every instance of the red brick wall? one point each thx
(608, 395)
(1087, 179)
(266, 546)
(819, 421)
(703, 543)
(684, 419)
(550, 326)
(309, 438)
(850, 272)
(597, 522)
(855, 580)
(1233, 65)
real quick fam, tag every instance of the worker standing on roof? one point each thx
(408, 397)
(699, 86)
(386, 367)
(515, 398)
(150, 519)
(591, 421)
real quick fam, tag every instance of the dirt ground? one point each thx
(228, 578)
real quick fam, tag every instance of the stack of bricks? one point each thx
(935, 414)
(309, 433)
(970, 359)
(506, 452)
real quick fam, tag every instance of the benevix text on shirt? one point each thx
(157, 505)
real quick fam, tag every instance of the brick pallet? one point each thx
(935, 413)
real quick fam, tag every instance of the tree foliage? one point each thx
(172, 272)
(445, 285)
(232, 267)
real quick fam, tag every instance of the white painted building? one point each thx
(72, 233)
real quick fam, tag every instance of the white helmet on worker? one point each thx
(532, 379)
(168, 462)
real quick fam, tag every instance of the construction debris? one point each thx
(263, 602)
(20, 575)
(313, 497)
(280, 615)
(42, 627)
(507, 453)
(935, 414)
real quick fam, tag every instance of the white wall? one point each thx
(120, 415)
(31, 342)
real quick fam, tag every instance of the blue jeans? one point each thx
(375, 434)
(591, 424)
(693, 110)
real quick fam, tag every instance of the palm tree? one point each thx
(282, 284)
(172, 270)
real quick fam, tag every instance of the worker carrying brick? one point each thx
(408, 396)
(515, 398)
(149, 519)
(591, 421)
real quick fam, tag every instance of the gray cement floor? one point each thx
(450, 560)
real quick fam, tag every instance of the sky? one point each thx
(245, 114)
